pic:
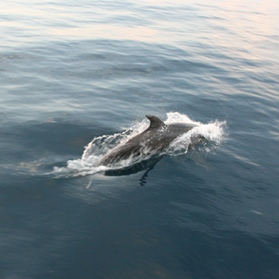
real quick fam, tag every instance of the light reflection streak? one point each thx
(236, 25)
(111, 32)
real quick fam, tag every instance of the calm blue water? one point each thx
(71, 72)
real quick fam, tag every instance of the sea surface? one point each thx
(77, 78)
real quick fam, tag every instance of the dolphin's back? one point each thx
(121, 152)
(155, 138)
(181, 127)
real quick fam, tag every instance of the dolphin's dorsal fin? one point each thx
(155, 122)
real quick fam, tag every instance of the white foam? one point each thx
(176, 117)
(99, 146)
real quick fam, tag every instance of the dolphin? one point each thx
(155, 138)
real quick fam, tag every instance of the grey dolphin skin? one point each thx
(155, 138)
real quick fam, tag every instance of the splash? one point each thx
(88, 163)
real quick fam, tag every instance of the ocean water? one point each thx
(77, 78)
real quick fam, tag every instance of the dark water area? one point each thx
(73, 72)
